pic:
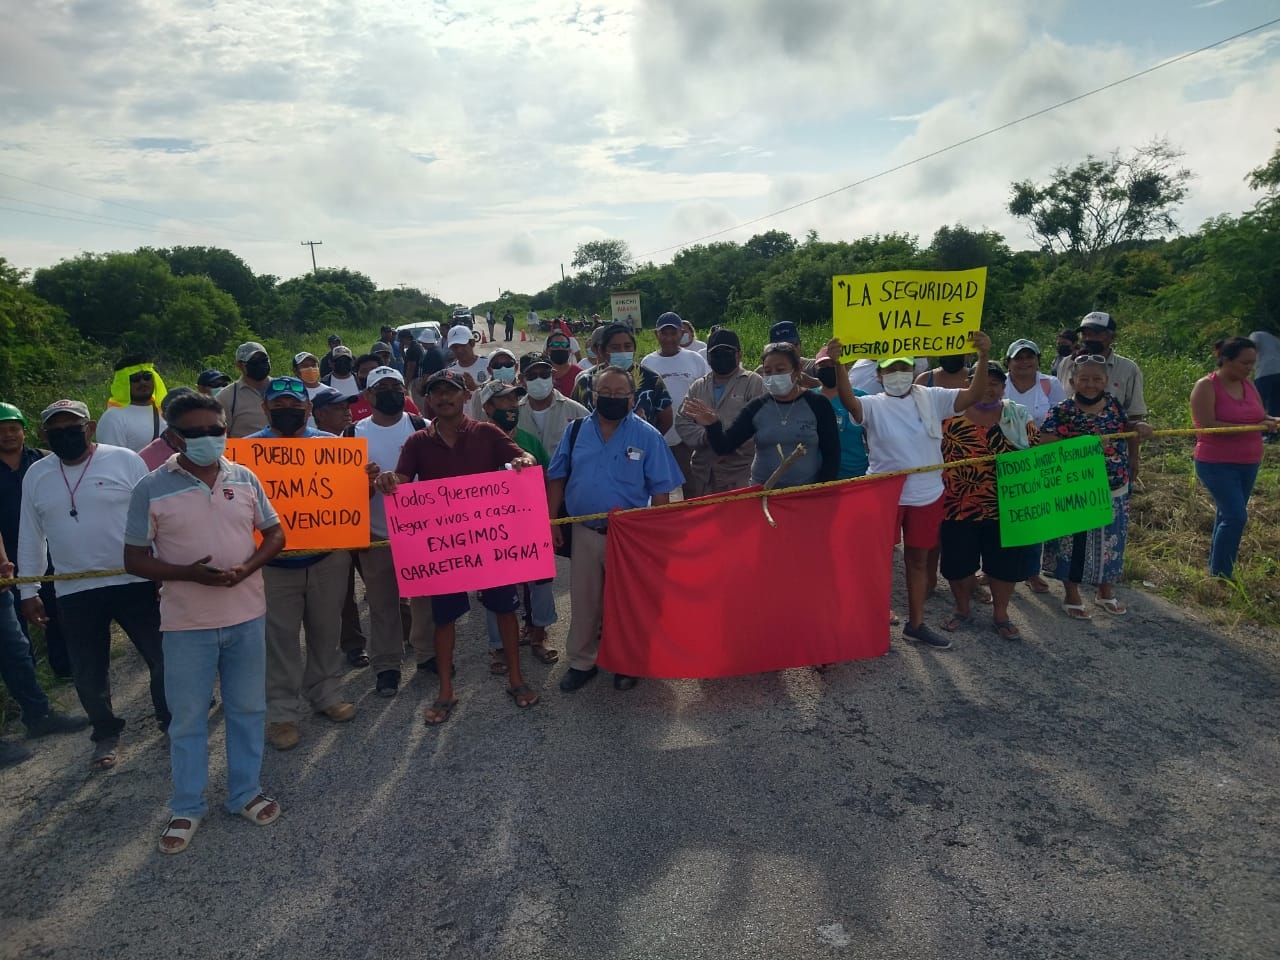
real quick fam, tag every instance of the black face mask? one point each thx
(506, 419)
(1095, 347)
(388, 402)
(558, 356)
(1065, 349)
(288, 422)
(613, 408)
(1086, 399)
(342, 366)
(67, 443)
(722, 362)
(952, 364)
(257, 369)
(827, 377)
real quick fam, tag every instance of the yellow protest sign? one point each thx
(907, 313)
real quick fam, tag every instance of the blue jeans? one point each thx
(542, 612)
(18, 669)
(237, 654)
(1230, 485)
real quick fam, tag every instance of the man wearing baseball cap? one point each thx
(341, 374)
(546, 412)
(74, 506)
(331, 411)
(242, 400)
(455, 446)
(785, 331)
(211, 381)
(679, 368)
(326, 362)
(473, 369)
(1124, 378)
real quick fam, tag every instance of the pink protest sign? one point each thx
(469, 533)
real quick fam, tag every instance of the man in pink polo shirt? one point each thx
(190, 528)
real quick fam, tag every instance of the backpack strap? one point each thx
(418, 422)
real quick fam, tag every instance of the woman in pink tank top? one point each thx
(1227, 463)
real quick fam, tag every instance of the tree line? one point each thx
(1103, 228)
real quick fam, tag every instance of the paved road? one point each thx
(1105, 790)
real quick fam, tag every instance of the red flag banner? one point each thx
(712, 590)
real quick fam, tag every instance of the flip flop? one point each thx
(252, 811)
(1037, 585)
(542, 654)
(1111, 605)
(957, 621)
(1076, 611)
(1006, 629)
(523, 695)
(105, 754)
(443, 709)
(497, 663)
(181, 834)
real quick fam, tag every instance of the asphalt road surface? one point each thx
(1098, 790)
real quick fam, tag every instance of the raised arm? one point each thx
(978, 384)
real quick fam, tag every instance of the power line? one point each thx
(81, 213)
(967, 140)
(123, 225)
(135, 208)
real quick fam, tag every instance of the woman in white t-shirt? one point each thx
(1026, 385)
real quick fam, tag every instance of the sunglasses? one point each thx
(140, 377)
(1089, 358)
(502, 366)
(543, 375)
(194, 432)
(281, 388)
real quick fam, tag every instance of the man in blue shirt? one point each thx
(304, 594)
(612, 459)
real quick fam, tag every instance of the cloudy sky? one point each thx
(466, 145)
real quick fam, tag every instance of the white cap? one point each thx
(378, 374)
(429, 335)
(458, 335)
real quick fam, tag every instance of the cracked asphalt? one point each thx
(1098, 790)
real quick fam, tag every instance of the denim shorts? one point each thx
(448, 607)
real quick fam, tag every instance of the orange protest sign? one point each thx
(317, 485)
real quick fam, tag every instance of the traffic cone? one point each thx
(524, 337)
(483, 338)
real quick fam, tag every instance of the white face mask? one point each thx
(898, 384)
(779, 384)
(539, 389)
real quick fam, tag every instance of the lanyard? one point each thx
(71, 491)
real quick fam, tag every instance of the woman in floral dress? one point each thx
(1097, 556)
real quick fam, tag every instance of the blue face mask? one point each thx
(504, 374)
(622, 360)
(205, 451)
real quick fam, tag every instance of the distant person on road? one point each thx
(970, 532)
(614, 459)
(132, 418)
(304, 596)
(492, 324)
(509, 325)
(1096, 556)
(211, 381)
(1227, 463)
(651, 400)
(191, 528)
(679, 368)
(1266, 373)
(454, 445)
(74, 505)
(727, 390)
(242, 400)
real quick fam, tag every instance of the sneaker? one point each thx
(55, 722)
(283, 736)
(340, 712)
(922, 634)
(574, 679)
(388, 683)
(12, 752)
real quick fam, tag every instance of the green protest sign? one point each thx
(1052, 491)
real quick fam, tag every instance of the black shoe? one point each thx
(12, 752)
(430, 666)
(388, 683)
(55, 722)
(575, 679)
(623, 682)
(357, 657)
(922, 634)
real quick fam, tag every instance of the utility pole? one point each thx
(313, 244)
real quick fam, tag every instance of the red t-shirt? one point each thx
(479, 448)
(361, 409)
(564, 382)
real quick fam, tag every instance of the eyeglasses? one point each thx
(1089, 358)
(140, 377)
(280, 388)
(543, 375)
(615, 396)
(194, 432)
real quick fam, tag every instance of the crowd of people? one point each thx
(146, 485)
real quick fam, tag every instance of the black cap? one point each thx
(326, 396)
(532, 359)
(212, 378)
(452, 377)
(334, 338)
(784, 331)
(505, 390)
(993, 370)
(720, 337)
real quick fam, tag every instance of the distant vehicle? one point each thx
(417, 328)
(464, 316)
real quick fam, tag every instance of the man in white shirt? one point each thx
(132, 418)
(386, 429)
(342, 372)
(474, 369)
(546, 412)
(679, 368)
(689, 339)
(74, 507)
(904, 430)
